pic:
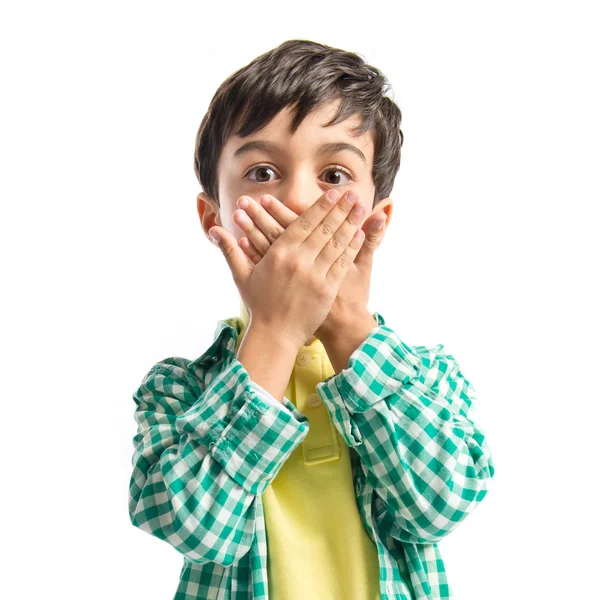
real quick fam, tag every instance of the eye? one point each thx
(339, 170)
(262, 174)
(260, 169)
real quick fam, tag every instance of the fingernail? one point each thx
(378, 225)
(215, 236)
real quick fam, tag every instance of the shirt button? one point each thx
(313, 400)
(303, 358)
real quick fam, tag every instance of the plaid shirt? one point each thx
(208, 445)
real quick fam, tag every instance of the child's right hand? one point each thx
(292, 289)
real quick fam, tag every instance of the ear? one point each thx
(209, 213)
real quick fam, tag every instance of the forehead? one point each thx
(310, 134)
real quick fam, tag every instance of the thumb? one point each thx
(239, 263)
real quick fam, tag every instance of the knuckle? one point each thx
(227, 252)
(278, 255)
(325, 228)
(295, 266)
(343, 208)
(273, 233)
(343, 261)
(304, 224)
(302, 266)
(337, 243)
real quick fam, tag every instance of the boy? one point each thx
(309, 453)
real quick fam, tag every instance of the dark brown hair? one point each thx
(302, 74)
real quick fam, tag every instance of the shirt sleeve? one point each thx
(269, 399)
(408, 412)
(205, 449)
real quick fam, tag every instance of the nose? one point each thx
(299, 192)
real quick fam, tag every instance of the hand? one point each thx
(263, 222)
(292, 289)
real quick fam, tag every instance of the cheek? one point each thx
(228, 207)
(228, 223)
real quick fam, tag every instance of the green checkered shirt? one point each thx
(207, 446)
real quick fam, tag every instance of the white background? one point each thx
(492, 250)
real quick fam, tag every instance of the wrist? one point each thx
(274, 335)
(345, 342)
(268, 360)
(349, 332)
(345, 322)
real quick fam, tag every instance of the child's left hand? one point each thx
(258, 221)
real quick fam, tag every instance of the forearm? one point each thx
(268, 359)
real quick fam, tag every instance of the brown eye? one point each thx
(335, 180)
(261, 174)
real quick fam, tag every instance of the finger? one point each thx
(278, 210)
(340, 267)
(343, 221)
(239, 264)
(304, 226)
(251, 252)
(261, 227)
(374, 229)
(373, 239)
(244, 223)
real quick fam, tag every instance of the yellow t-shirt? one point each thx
(317, 547)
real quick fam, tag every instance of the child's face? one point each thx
(297, 176)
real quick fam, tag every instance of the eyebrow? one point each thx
(275, 148)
